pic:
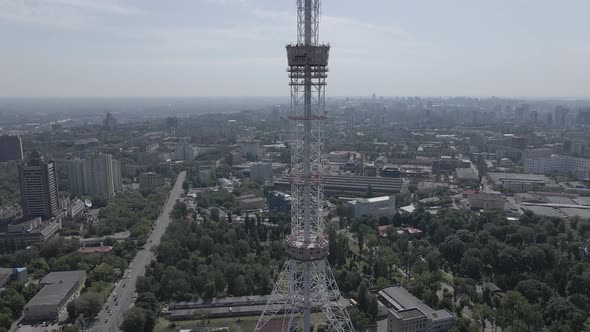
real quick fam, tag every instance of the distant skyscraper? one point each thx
(171, 125)
(184, 151)
(11, 148)
(38, 186)
(560, 116)
(76, 175)
(98, 175)
(110, 122)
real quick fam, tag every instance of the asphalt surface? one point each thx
(122, 298)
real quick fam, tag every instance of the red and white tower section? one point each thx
(306, 283)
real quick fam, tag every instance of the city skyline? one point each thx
(94, 48)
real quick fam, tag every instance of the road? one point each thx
(121, 298)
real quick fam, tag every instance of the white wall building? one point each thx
(579, 167)
(375, 207)
(184, 151)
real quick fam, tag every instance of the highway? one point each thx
(111, 316)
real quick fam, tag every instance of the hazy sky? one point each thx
(236, 47)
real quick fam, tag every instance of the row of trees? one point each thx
(132, 210)
(12, 302)
(214, 259)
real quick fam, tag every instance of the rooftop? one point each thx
(373, 200)
(57, 285)
(466, 173)
(500, 177)
(62, 276)
(400, 301)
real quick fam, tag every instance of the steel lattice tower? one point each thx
(306, 283)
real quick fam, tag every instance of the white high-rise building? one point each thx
(98, 175)
(184, 151)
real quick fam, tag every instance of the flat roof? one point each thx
(582, 200)
(411, 313)
(574, 212)
(560, 200)
(63, 276)
(252, 200)
(543, 211)
(51, 294)
(373, 199)
(498, 177)
(466, 173)
(57, 286)
(401, 300)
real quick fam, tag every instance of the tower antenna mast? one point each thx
(306, 282)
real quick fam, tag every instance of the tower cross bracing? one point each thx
(306, 283)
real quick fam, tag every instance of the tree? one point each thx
(471, 266)
(342, 211)
(72, 309)
(103, 272)
(147, 301)
(515, 310)
(363, 297)
(360, 240)
(358, 319)
(89, 304)
(69, 328)
(134, 320)
(483, 313)
(534, 291)
(214, 214)
(373, 309)
(15, 301)
(5, 320)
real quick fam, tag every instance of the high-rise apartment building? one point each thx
(260, 172)
(99, 175)
(38, 187)
(184, 151)
(11, 148)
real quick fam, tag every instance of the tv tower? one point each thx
(306, 283)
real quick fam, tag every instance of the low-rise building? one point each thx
(279, 202)
(578, 167)
(375, 207)
(75, 208)
(20, 234)
(57, 290)
(466, 177)
(252, 203)
(486, 201)
(516, 182)
(406, 313)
